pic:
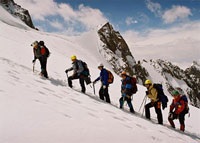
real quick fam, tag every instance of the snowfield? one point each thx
(37, 110)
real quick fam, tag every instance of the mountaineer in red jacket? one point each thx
(178, 109)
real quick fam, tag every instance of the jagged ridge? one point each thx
(18, 11)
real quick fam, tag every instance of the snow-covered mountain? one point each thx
(175, 77)
(36, 110)
(114, 48)
(17, 11)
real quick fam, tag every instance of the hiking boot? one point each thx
(171, 123)
(182, 128)
(132, 110)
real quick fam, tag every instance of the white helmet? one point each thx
(100, 65)
(35, 43)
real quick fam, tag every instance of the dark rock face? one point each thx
(189, 77)
(115, 50)
(193, 73)
(17, 11)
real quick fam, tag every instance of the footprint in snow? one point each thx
(76, 101)
(118, 118)
(49, 89)
(110, 112)
(93, 115)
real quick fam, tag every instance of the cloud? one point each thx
(56, 24)
(178, 44)
(154, 7)
(169, 16)
(176, 13)
(90, 17)
(81, 18)
(130, 20)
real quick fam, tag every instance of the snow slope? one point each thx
(36, 110)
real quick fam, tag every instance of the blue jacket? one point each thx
(126, 87)
(103, 77)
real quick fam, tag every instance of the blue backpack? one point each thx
(161, 96)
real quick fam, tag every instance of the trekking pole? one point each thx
(93, 88)
(142, 103)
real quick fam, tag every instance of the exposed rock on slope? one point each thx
(17, 11)
(115, 50)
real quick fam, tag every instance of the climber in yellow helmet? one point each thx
(80, 71)
(152, 94)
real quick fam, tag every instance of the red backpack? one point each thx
(134, 85)
(43, 50)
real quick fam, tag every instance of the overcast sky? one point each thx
(153, 29)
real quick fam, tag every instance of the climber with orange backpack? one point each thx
(106, 78)
(41, 52)
(178, 109)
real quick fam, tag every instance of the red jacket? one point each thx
(178, 105)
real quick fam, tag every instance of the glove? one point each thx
(66, 71)
(104, 87)
(147, 92)
(34, 61)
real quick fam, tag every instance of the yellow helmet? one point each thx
(73, 57)
(147, 82)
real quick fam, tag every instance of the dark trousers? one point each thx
(104, 93)
(43, 63)
(157, 106)
(81, 81)
(128, 100)
(181, 118)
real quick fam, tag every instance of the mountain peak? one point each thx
(188, 80)
(115, 50)
(17, 11)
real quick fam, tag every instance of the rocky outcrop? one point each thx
(115, 50)
(194, 83)
(188, 80)
(17, 11)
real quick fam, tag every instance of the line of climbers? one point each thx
(178, 108)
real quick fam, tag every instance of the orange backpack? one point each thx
(110, 77)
